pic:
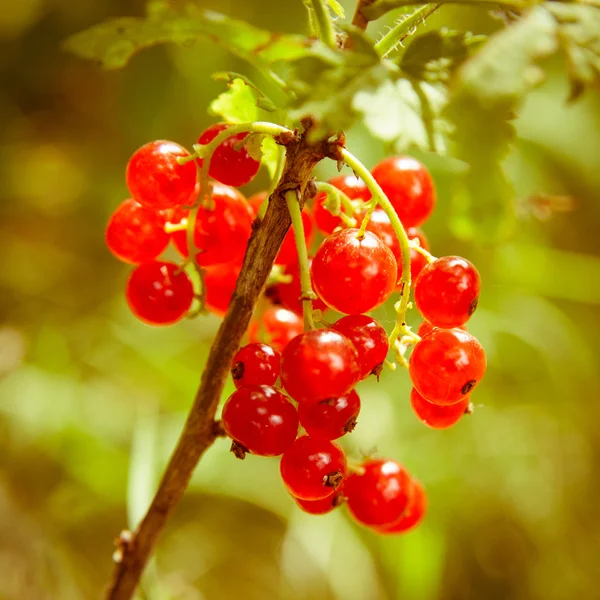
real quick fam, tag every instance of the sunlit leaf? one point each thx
(239, 104)
(337, 8)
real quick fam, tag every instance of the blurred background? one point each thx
(91, 400)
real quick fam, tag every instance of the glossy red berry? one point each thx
(220, 282)
(256, 200)
(261, 420)
(155, 178)
(332, 418)
(447, 291)
(408, 186)
(369, 338)
(435, 416)
(229, 165)
(379, 493)
(323, 506)
(289, 293)
(352, 186)
(159, 293)
(278, 326)
(354, 275)
(311, 468)
(136, 234)
(255, 364)
(222, 231)
(318, 365)
(288, 255)
(414, 513)
(446, 365)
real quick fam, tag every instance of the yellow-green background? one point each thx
(88, 395)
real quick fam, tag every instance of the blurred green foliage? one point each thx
(91, 401)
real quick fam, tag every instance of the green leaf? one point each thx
(434, 55)
(253, 143)
(262, 100)
(270, 155)
(240, 103)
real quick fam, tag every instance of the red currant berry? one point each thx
(323, 506)
(220, 282)
(414, 513)
(311, 468)
(446, 365)
(354, 275)
(159, 293)
(255, 364)
(434, 416)
(155, 178)
(369, 339)
(279, 326)
(289, 293)
(288, 255)
(379, 493)
(136, 234)
(447, 291)
(408, 186)
(222, 231)
(229, 165)
(352, 186)
(261, 420)
(318, 365)
(332, 418)
(255, 201)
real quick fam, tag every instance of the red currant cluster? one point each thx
(308, 378)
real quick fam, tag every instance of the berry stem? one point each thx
(404, 28)
(400, 328)
(193, 254)
(306, 293)
(414, 244)
(336, 200)
(324, 22)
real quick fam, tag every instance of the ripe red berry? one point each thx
(408, 186)
(323, 506)
(289, 293)
(369, 338)
(447, 291)
(222, 231)
(136, 234)
(220, 282)
(435, 416)
(446, 365)
(354, 275)
(288, 255)
(229, 165)
(379, 493)
(255, 364)
(159, 293)
(155, 178)
(318, 365)
(352, 186)
(255, 201)
(332, 418)
(261, 420)
(278, 325)
(311, 468)
(414, 513)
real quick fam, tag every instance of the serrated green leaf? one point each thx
(239, 104)
(434, 55)
(262, 100)
(337, 8)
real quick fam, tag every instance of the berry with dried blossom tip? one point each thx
(136, 234)
(370, 340)
(435, 416)
(409, 187)
(446, 365)
(352, 186)
(354, 275)
(159, 293)
(319, 364)
(323, 506)
(332, 418)
(261, 420)
(222, 231)
(379, 493)
(230, 164)
(312, 469)
(220, 282)
(414, 513)
(447, 291)
(289, 293)
(255, 364)
(279, 326)
(156, 180)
